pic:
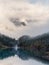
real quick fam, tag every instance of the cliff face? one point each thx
(38, 46)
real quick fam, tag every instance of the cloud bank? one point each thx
(18, 11)
(20, 15)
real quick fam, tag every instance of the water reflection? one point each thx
(21, 53)
(4, 53)
(25, 55)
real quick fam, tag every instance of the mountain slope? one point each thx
(7, 42)
(37, 46)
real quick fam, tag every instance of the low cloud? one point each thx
(20, 16)
(22, 12)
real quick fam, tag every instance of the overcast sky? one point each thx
(33, 13)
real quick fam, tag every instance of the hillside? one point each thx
(7, 42)
(37, 46)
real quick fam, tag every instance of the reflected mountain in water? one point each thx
(5, 53)
(23, 54)
(28, 48)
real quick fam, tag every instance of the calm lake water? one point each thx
(19, 57)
